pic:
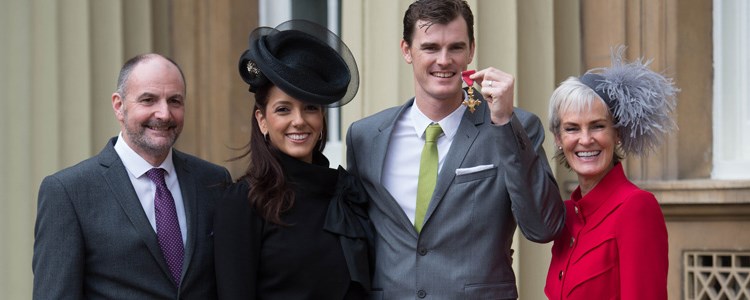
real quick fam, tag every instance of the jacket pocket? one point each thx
(376, 295)
(502, 290)
(596, 267)
(491, 172)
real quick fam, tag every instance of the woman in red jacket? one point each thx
(614, 245)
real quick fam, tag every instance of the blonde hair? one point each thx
(572, 96)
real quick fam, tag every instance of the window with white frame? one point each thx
(731, 111)
(324, 12)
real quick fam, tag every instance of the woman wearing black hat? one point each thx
(614, 244)
(291, 227)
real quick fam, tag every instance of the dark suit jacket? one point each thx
(93, 240)
(492, 177)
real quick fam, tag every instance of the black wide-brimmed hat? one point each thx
(304, 59)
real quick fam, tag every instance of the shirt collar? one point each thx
(135, 164)
(449, 124)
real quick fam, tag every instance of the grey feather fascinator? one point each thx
(641, 101)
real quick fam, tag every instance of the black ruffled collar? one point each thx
(316, 175)
(347, 209)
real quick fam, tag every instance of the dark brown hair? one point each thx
(270, 193)
(437, 11)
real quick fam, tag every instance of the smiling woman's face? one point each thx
(588, 139)
(294, 127)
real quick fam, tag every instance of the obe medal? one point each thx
(472, 102)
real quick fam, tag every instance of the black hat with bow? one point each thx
(303, 59)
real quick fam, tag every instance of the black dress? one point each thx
(323, 254)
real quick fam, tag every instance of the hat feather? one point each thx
(643, 102)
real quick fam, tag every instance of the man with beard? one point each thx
(134, 221)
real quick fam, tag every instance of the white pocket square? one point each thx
(464, 171)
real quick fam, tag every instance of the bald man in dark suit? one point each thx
(107, 229)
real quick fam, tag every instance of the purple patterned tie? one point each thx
(167, 226)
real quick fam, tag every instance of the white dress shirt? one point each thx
(145, 188)
(401, 168)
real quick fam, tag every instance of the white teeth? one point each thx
(442, 74)
(588, 153)
(296, 136)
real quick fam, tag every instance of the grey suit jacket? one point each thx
(463, 250)
(93, 240)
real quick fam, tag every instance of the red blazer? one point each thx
(614, 245)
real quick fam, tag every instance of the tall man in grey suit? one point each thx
(493, 172)
(134, 221)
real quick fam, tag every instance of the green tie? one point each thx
(428, 171)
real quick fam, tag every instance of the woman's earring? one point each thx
(265, 137)
(320, 137)
(559, 147)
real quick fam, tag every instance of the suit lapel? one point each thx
(381, 142)
(462, 142)
(113, 171)
(189, 199)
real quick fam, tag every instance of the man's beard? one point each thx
(142, 141)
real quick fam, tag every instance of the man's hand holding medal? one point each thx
(496, 88)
